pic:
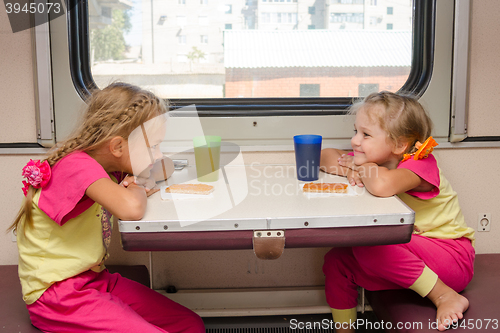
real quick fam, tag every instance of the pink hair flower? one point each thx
(37, 174)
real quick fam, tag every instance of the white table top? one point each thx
(258, 197)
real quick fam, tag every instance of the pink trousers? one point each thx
(395, 267)
(104, 302)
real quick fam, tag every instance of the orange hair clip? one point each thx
(423, 149)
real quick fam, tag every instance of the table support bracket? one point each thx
(268, 244)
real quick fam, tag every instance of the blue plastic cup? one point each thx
(307, 156)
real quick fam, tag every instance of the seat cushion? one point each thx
(14, 316)
(406, 307)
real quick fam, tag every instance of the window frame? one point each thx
(418, 80)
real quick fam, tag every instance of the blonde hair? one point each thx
(113, 111)
(403, 117)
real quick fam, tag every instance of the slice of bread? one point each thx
(325, 188)
(190, 189)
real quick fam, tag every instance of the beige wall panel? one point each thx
(17, 93)
(484, 92)
(238, 269)
(472, 174)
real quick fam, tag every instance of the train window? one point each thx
(252, 52)
(288, 68)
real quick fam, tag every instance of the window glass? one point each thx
(251, 48)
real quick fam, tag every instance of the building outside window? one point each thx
(365, 89)
(309, 90)
(346, 17)
(389, 26)
(181, 39)
(348, 2)
(181, 21)
(275, 17)
(375, 20)
(265, 17)
(204, 39)
(390, 10)
(228, 26)
(182, 57)
(228, 9)
(106, 12)
(204, 59)
(287, 18)
(203, 20)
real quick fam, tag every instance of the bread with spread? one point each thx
(325, 187)
(190, 189)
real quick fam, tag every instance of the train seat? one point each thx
(14, 316)
(416, 314)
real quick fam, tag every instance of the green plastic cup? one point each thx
(207, 157)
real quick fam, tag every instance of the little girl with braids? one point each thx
(64, 226)
(389, 159)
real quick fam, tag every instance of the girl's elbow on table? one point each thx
(132, 208)
(131, 215)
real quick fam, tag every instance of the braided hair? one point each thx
(113, 111)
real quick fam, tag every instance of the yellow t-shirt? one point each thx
(49, 253)
(436, 216)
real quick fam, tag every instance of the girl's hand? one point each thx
(354, 178)
(147, 183)
(348, 162)
(128, 180)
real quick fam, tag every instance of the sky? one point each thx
(134, 37)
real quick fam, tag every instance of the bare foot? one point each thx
(450, 305)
